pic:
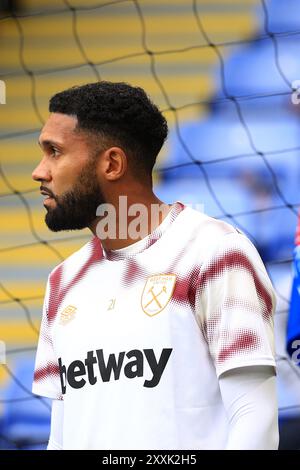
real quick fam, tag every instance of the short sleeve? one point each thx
(46, 373)
(235, 303)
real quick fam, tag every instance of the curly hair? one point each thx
(117, 114)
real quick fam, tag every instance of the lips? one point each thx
(44, 192)
(49, 196)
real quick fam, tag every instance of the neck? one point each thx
(128, 219)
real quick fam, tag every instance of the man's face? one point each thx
(67, 173)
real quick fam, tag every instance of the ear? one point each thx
(113, 163)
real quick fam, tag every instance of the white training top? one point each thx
(134, 340)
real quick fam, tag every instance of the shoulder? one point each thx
(80, 258)
(208, 225)
(219, 240)
(206, 230)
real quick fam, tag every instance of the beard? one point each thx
(76, 209)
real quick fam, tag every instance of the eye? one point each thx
(54, 152)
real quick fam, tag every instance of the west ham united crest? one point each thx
(157, 293)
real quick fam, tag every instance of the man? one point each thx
(158, 334)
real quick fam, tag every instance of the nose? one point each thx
(41, 172)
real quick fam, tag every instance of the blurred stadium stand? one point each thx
(214, 157)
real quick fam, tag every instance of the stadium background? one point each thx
(222, 71)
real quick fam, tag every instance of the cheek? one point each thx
(65, 176)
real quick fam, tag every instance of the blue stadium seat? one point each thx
(26, 418)
(222, 146)
(253, 70)
(281, 16)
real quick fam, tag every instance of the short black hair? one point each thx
(119, 113)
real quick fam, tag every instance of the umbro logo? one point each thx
(95, 367)
(67, 314)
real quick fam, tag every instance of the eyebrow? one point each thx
(48, 143)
